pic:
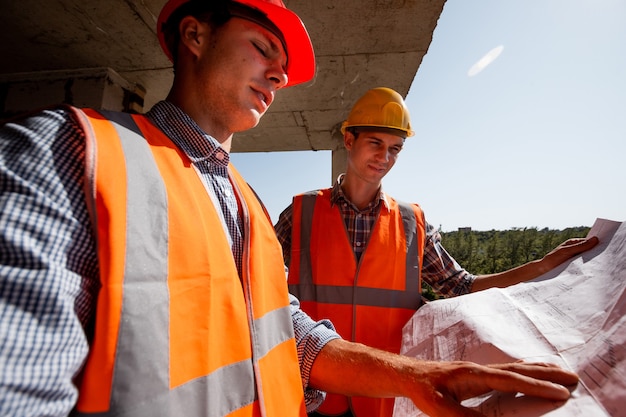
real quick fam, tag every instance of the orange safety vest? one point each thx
(177, 332)
(368, 301)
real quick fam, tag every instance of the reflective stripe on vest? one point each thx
(172, 333)
(306, 290)
(369, 301)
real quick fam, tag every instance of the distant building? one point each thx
(465, 229)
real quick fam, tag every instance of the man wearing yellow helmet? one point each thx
(357, 256)
(139, 274)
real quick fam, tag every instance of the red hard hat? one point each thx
(300, 55)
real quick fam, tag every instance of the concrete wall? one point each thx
(100, 88)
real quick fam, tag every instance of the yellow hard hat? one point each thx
(380, 107)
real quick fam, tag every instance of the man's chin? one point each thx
(249, 122)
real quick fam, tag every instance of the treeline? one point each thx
(495, 251)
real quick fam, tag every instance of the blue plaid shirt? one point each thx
(48, 262)
(439, 269)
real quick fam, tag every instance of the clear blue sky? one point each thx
(519, 109)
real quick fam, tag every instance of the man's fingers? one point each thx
(587, 243)
(538, 380)
(543, 371)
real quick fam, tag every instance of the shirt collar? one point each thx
(337, 195)
(186, 134)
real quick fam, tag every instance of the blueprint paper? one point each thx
(574, 316)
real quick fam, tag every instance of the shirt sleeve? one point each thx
(440, 270)
(48, 264)
(311, 337)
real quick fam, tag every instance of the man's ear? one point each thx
(192, 34)
(348, 140)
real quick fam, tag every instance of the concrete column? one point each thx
(98, 88)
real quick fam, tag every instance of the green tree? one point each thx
(496, 251)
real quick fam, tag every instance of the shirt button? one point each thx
(220, 156)
(358, 243)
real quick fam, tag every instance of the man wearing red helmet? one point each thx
(140, 275)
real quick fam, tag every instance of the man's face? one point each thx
(372, 154)
(239, 71)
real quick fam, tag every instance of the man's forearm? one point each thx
(534, 269)
(354, 369)
(437, 388)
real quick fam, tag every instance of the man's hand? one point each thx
(568, 249)
(443, 385)
(534, 269)
(436, 388)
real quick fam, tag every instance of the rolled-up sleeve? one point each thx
(311, 337)
(440, 270)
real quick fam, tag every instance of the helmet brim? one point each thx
(300, 54)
